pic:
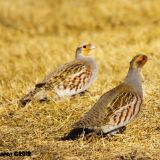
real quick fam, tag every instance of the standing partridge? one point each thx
(116, 108)
(69, 79)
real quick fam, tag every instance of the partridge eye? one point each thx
(143, 59)
(84, 46)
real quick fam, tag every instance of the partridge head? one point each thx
(84, 50)
(138, 61)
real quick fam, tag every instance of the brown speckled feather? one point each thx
(70, 75)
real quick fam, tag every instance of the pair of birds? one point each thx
(115, 108)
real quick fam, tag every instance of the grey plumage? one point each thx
(119, 106)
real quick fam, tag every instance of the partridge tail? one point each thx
(76, 133)
(26, 99)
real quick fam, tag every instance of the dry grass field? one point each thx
(38, 36)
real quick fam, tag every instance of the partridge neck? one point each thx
(88, 60)
(133, 78)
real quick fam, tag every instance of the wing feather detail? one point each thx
(71, 74)
(113, 108)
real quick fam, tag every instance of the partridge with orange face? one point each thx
(116, 108)
(69, 79)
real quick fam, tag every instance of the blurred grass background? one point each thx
(38, 36)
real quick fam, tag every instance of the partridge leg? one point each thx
(83, 93)
(43, 99)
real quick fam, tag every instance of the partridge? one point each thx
(69, 79)
(115, 108)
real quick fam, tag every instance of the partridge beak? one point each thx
(93, 46)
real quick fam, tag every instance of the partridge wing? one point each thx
(96, 115)
(73, 75)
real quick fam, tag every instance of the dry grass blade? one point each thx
(38, 36)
